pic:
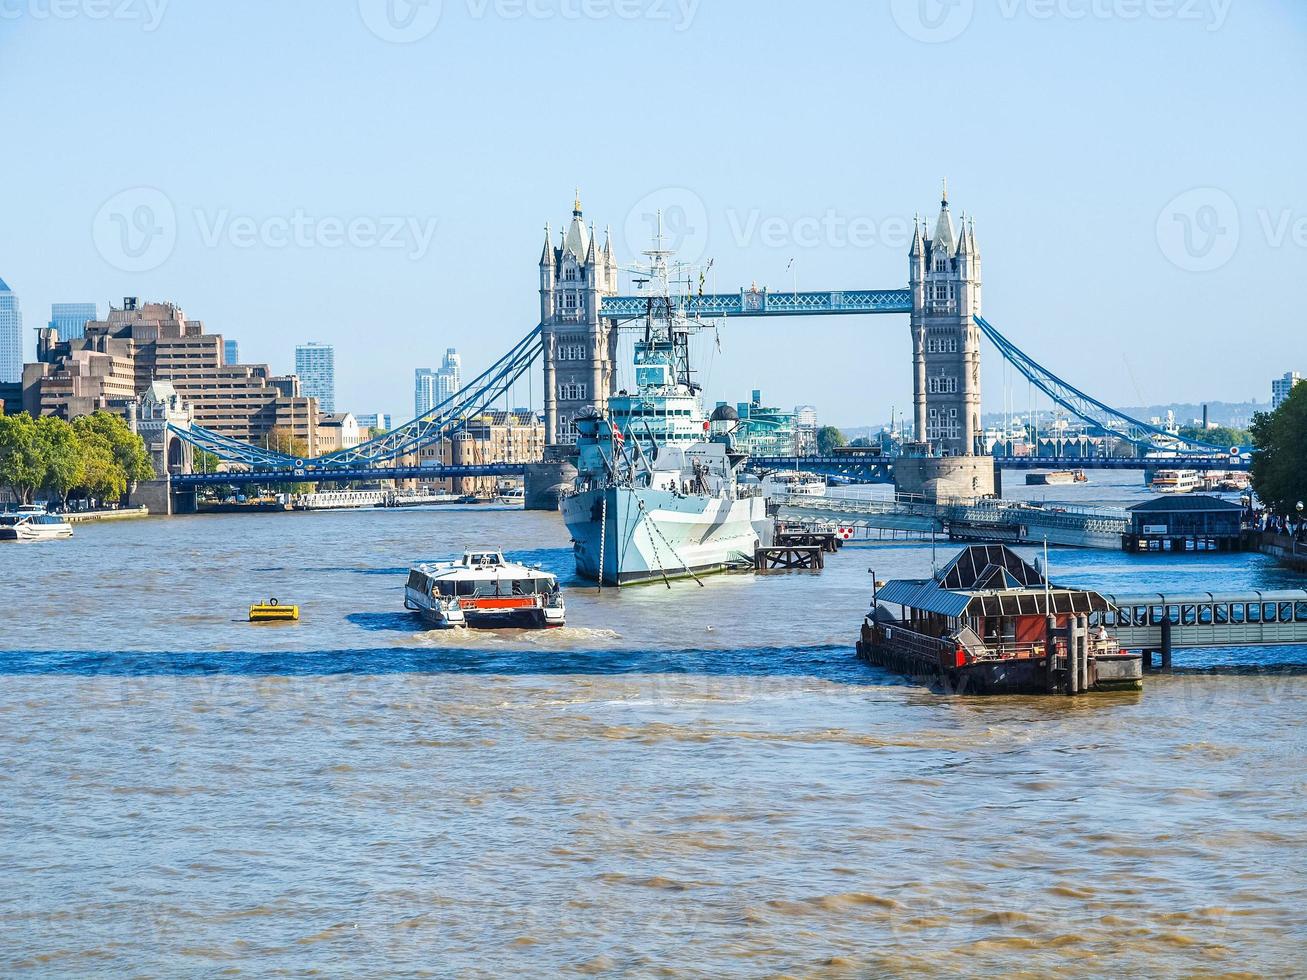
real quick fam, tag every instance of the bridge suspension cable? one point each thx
(1090, 409)
(473, 399)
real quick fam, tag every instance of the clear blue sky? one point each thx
(1068, 128)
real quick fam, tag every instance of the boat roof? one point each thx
(989, 580)
(481, 561)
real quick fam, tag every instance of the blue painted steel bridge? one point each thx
(374, 459)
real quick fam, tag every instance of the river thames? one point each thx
(684, 782)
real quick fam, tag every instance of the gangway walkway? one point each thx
(1162, 620)
(1008, 522)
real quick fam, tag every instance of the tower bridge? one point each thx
(575, 340)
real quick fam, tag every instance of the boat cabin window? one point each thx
(1221, 613)
(443, 587)
(1236, 613)
(1300, 612)
(1254, 612)
(1286, 612)
(1188, 615)
(1268, 612)
(1205, 615)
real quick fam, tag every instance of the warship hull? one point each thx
(646, 535)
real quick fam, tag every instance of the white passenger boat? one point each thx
(1176, 481)
(30, 523)
(793, 482)
(483, 589)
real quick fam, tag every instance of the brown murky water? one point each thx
(700, 781)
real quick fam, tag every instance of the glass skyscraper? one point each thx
(231, 352)
(69, 319)
(11, 337)
(316, 366)
(430, 388)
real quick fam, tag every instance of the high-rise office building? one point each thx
(450, 376)
(231, 352)
(69, 319)
(424, 391)
(316, 366)
(11, 337)
(1281, 387)
(380, 420)
(430, 388)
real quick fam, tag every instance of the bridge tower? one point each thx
(948, 455)
(579, 346)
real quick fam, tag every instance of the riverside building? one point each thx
(118, 358)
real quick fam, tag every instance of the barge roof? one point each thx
(990, 580)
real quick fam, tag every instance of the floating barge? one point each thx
(990, 623)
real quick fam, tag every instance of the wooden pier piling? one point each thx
(790, 557)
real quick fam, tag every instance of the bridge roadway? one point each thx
(1007, 522)
(344, 474)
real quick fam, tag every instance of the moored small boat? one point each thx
(31, 523)
(482, 589)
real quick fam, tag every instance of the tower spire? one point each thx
(943, 201)
(576, 204)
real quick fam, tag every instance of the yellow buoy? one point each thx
(273, 612)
